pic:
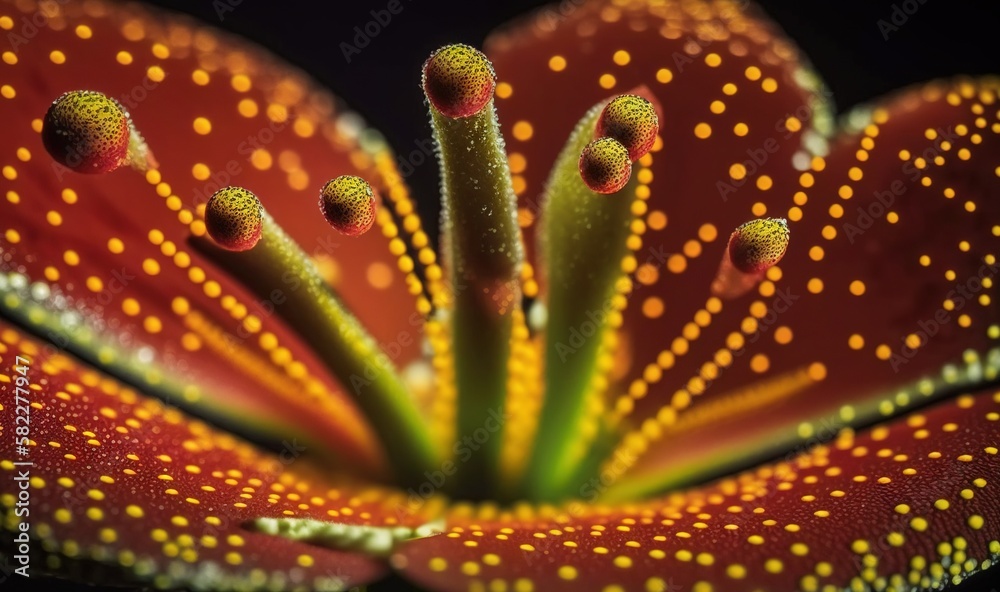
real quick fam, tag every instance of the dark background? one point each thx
(842, 39)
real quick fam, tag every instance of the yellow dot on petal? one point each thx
(437, 564)
(241, 83)
(202, 126)
(156, 73)
(523, 131)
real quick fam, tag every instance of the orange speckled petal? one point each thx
(910, 505)
(214, 112)
(886, 295)
(119, 479)
(727, 82)
(740, 139)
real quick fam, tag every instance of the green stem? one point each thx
(367, 374)
(583, 239)
(484, 254)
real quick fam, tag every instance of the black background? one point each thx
(841, 38)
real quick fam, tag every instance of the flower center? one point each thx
(539, 405)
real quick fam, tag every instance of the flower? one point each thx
(663, 368)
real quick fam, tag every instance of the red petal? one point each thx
(214, 112)
(911, 270)
(121, 479)
(555, 66)
(912, 503)
(681, 341)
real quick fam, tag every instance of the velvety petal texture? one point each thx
(867, 511)
(726, 81)
(866, 356)
(886, 294)
(886, 297)
(130, 248)
(120, 480)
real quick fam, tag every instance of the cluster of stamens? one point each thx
(91, 133)
(625, 132)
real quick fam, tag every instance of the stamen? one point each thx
(341, 342)
(483, 247)
(348, 204)
(89, 132)
(754, 247)
(632, 120)
(582, 277)
(605, 166)
(233, 218)
(458, 80)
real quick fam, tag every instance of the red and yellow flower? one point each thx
(572, 392)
